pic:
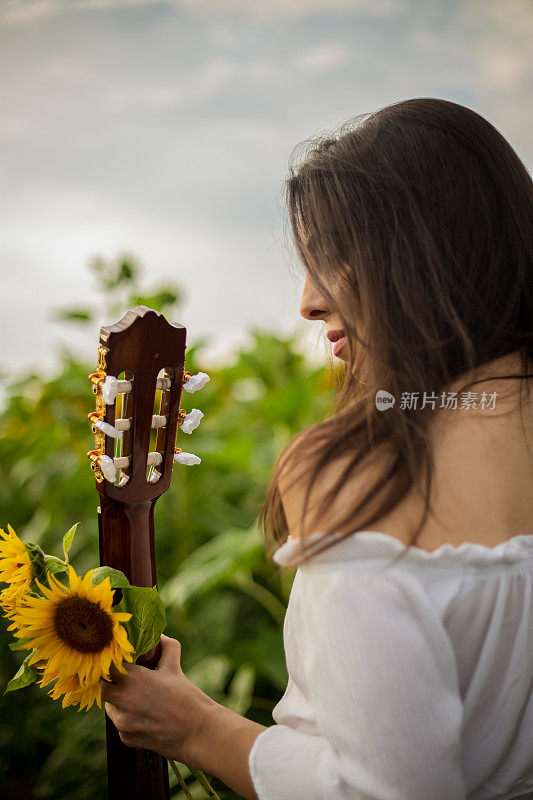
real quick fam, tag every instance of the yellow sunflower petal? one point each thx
(75, 635)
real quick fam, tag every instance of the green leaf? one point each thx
(18, 644)
(74, 315)
(266, 654)
(24, 676)
(117, 578)
(211, 673)
(148, 617)
(67, 539)
(54, 565)
(241, 689)
(162, 300)
(37, 558)
(214, 563)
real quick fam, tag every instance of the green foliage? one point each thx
(117, 579)
(119, 283)
(54, 565)
(25, 675)
(68, 538)
(148, 619)
(224, 601)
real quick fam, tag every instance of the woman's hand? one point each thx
(159, 709)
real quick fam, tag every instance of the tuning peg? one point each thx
(186, 458)
(191, 420)
(108, 429)
(111, 386)
(94, 457)
(109, 470)
(110, 465)
(97, 379)
(195, 382)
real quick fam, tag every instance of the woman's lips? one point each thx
(339, 344)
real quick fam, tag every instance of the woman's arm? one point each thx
(162, 710)
(223, 746)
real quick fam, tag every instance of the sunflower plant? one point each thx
(74, 632)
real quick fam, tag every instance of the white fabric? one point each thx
(410, 681)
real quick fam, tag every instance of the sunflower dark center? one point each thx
(83, 625)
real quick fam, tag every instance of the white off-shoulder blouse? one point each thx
(411, 681)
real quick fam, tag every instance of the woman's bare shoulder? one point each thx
(297, 464)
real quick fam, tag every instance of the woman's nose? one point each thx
(313, 305)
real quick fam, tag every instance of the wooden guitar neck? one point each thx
(150, 354)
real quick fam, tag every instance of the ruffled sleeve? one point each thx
(379, 672)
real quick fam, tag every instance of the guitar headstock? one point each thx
(140, 358)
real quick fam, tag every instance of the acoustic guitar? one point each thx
(140, 358)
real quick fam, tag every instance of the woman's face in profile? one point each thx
(314, 306)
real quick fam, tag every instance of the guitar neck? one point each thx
(127, 543)
(127, 539)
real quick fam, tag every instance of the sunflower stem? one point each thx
(204, 783)
(178, 775)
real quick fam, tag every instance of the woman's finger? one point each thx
(108, 690)
(111, 712)
(115, 674)
(170, 654)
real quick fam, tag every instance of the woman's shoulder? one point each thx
(333, 493)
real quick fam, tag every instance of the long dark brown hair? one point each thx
(415, 222)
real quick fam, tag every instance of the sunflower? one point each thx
(15, 562)
(11, 600)
(74, 630)
(73, 692)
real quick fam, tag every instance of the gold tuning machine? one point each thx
(182, 413)
(94, 417)
(94, 458)
(97, 379)
(186, 376)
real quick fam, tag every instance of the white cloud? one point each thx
(21, 11)
(95, 157)
(296, 8)
(323, 57)
(506, 49)
(192, 86)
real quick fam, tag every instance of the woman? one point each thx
(409, 512)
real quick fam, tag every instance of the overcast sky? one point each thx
(163, 128)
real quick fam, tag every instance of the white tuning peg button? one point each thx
(196, 382)
(108, 468)
(191, 420)
(109, 390)
(186, 458)
(111, 387)
(109, 430)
